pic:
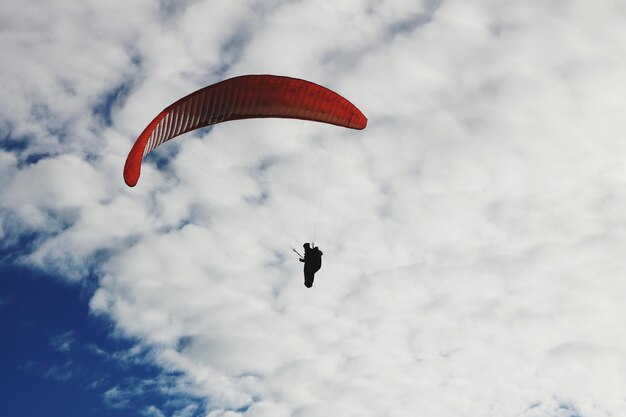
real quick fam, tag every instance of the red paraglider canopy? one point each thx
(244, 97)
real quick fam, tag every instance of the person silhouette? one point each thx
(312, 263)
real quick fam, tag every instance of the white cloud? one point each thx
(116, 398)
(64, 341)
(64, 372)
(473, 234)
(152, 411)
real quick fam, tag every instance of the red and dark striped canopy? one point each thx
(244, 97)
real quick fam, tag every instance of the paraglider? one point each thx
(247, 97)
(312, 263)
(244, 97)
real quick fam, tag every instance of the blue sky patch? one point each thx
(58, 359)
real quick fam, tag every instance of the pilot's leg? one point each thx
(308, 278)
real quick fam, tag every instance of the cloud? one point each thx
(64, 341)
(63, 373)
(473, 234)
(115, 398)
(152, 411)
(163, 391)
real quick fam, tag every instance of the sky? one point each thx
(473, 234)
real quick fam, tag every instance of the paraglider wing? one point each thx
(244, 97)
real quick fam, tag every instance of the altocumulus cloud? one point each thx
(473, 233)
